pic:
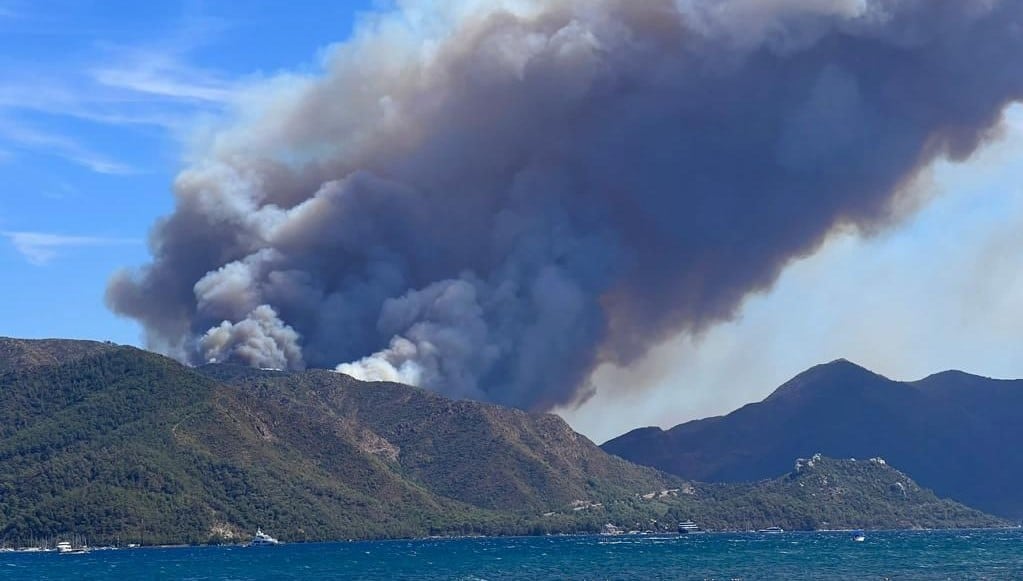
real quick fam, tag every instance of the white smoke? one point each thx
(260, 339)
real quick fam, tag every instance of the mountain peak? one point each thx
(839, 361)
(949, 375)
(844, 364)
(29, 353)
(950, 431)
(955, 381)
(837, 368)
(838, 374)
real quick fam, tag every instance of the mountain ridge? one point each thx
(117, 443)
(945, 429)
(114, 441)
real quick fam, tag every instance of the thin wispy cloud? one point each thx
(153, 84)
(163, 70)
(40, 248)
(62, 146)
(165, 76)
(164, 93)
(91, 102)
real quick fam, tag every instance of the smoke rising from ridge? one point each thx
(490, 199)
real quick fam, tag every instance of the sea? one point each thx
(792, 555)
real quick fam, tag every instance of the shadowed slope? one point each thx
(952, 431)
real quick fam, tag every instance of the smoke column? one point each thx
(491, 198)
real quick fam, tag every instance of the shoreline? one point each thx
(32, 550)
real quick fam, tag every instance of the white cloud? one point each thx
(40, 248)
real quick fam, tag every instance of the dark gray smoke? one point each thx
(492, 198)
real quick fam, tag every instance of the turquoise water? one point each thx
(895, 555)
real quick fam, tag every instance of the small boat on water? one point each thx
(610, 530)
(772, 530)
(65, 548)
(262, 539)
(859, 536)
(689, 528)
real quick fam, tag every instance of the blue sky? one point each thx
(97, 102)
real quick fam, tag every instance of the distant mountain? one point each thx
(118, 444)
(955, 433)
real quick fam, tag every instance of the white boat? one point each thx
(772, 530)
(262, 539)
(688, 528)
(859, 536)
(65, 548)
(611, 530)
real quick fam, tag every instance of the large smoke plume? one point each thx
(492, 198)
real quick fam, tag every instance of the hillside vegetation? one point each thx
(118, 444)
